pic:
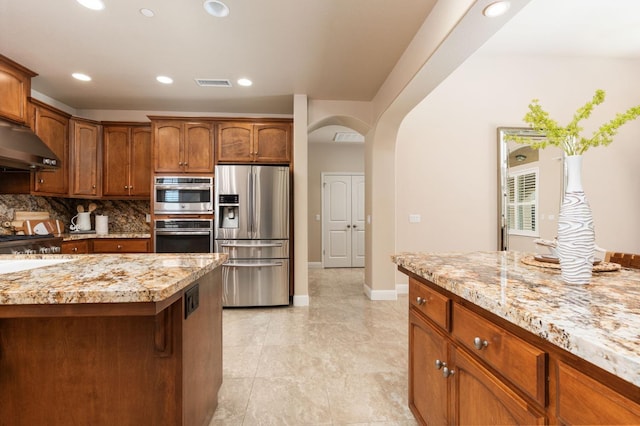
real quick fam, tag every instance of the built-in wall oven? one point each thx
(183, 236)
(183, 195)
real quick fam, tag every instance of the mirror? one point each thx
(530, 188)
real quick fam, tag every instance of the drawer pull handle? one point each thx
(440, 364)
(479, 343)
(420, 300)
(446, 372)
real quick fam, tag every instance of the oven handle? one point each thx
(252, 245)
(183, 232)
(252, 265)
(183, 187)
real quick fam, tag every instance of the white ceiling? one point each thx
(327, 49)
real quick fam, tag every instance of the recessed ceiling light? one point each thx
(92, 4)
(216, 8)
(164, 79)
(244, 82)
(80, 76)
(496, 9)
(147, 12)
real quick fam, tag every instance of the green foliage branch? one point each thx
(568, 138)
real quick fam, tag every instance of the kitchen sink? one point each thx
(8, 266)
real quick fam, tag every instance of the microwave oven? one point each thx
(183, 195)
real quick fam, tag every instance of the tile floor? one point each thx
(340, 361)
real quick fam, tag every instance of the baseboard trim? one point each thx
(380, 294)
(402, 288)
(314, 265)
(301, 300)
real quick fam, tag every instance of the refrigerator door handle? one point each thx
(252, 245)
(252, 265)
(250, 203)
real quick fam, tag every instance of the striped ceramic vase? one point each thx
(576, 236)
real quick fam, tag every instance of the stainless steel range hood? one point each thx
(22, 149)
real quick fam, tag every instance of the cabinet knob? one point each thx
(440, 364)
(126, 187)
(446, 372)
(93, 186)
(41, 180)
(180, 163)
(74, 249)
(119, 247)
(420, 300)
(479, 343)
(355, 226)
(348, 226)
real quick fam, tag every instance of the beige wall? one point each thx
(327, 157)
(447, 151)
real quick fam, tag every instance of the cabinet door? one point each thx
(272, 143)
(140, 168)
(235, 142)
(53, 129)
(428, 389)
(198, 148)
(84, 152)
(14, 89)
(167, 146)
(480, 398)
(116, 161)
(75, 247)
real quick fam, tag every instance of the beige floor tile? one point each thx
(340, 361)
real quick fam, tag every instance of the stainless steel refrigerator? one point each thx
(252, 205)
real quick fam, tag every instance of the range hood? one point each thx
(22, 149)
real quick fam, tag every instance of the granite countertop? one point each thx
(598, 322)
(104, 278)
(76, 237)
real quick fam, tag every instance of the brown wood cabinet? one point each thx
(15, 88)
(85, 158)
(76, 247)
(144, 363)
(244, 142)
(121, 245)
(106, 245)
(182, 146)
(467, 366)
(52, 126)
(126, 160)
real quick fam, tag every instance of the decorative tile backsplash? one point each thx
(124, 215)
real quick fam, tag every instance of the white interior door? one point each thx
(343, 221)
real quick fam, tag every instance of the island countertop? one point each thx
(598, 322)
(104, 278)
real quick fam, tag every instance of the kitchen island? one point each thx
(487, 330)
(111, 339)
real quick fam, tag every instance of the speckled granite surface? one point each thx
(599, 322)
(76, 237)
(104, 278)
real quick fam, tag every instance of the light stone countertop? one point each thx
(598, 322)
(104, 278)
(76, 237)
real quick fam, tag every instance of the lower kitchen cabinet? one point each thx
(106, 245)
(467, 366)
(121, 245)
(76, 247)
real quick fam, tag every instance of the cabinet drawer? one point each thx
(108, 245)
(521, 363)
(75, 247)
(431, 303)
(582, 400)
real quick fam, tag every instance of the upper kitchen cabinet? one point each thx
(85, 157)
(52, 126)
(182, 146)
(245, 142)
(126, 160)
(15, 88)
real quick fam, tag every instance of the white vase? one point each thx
(576, 235)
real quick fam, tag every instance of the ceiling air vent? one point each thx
(213, 82)
(348, 137)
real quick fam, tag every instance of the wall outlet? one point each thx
(318, 217)
(147, 217)
(414, 218)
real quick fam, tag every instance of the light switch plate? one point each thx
(414, 218)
